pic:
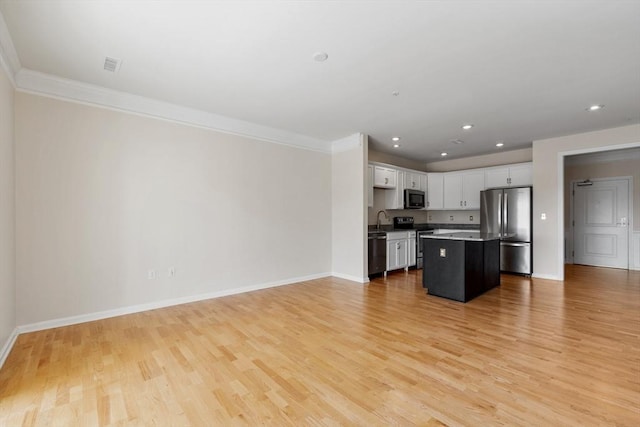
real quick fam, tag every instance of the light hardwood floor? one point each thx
(333, 352)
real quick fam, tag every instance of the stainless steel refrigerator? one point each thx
(508, 212)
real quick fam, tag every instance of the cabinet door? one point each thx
(394, 198)
(403, 254)
(412, 251)
(472, 185)
(412, 181)
(392, 257)
(435, 188)
(370, 187)
(453, 191)
(496, 177)
(384, 177)
(423, 183)
(520, 175)
(397, 254)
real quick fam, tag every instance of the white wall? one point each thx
(7, 208)
(104, 196)
(377, 156)
(548, 190)
(349, 204)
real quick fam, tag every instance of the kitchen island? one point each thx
(460, 266)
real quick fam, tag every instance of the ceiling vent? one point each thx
(112, 64)
(456, 141)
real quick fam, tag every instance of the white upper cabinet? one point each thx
(509, 176)
(435, 194)
(384, 177)
(415, 181)
(472, 185)
(521, 175)
(453, 190)
(394, 198)
(462, 189)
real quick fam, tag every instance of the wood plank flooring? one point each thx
(332, 352)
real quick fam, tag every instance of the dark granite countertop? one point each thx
(422, 227)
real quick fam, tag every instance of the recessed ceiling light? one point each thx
(395, 138)
(500, 144)
(396, 145)
(320, 56)
(467, 126)
(443, 154)
(595, 107)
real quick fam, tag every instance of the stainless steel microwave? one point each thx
(414, 199)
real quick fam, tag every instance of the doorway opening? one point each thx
(600, 222)
(600, 191)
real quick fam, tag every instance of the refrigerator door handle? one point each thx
(499, 214)
(505, 229)
(519, 245)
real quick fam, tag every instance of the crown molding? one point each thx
(9, 60)
(48, 85)
(38, 83)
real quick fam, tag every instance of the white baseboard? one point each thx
(8, 345)
(546, 277)
(89, 317)
(350, 277)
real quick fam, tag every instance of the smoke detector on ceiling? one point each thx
(112, 64)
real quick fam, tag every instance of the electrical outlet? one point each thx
(172, 272)
(430, 218)
(470, 217)
(543, 216)
(450, 217)
(151, 274)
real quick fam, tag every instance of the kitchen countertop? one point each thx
(422, 227)
(466, 235)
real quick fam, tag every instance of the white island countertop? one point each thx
(463, 235)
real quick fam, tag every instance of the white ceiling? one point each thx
(518, 70)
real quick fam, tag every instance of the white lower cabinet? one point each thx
(411, 242)
(397, 250)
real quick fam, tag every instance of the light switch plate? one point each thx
(443, 252)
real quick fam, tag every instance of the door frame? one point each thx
(569, 257)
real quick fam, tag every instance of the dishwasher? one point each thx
(377, 252)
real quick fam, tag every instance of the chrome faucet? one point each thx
(378, 217)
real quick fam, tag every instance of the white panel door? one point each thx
(601, 223)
